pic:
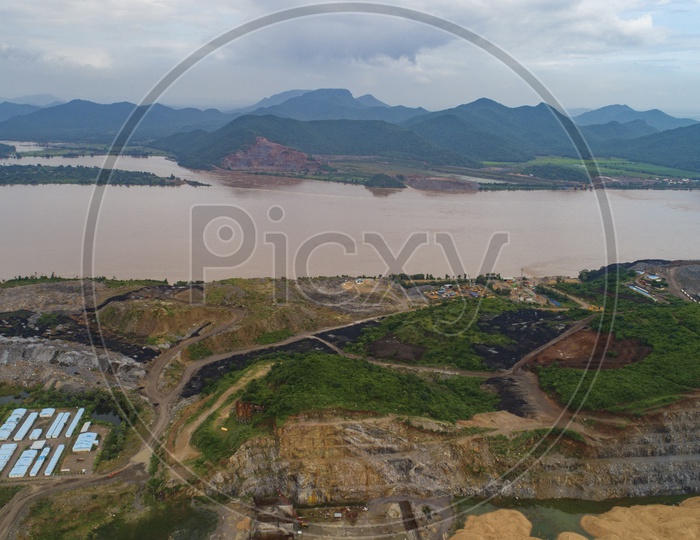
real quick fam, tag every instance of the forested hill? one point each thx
(85, 121)
(200, 149)
(333, 121)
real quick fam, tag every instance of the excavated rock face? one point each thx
(30, 361)
(264, 155)
(316, 462)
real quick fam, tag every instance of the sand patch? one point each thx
(647, 522)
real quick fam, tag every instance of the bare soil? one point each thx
(575, 351)
(391, 348)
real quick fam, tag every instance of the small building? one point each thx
(38, 445)
(47, 413)
(85, 442)
(35, 434)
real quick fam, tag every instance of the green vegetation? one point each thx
(670, 370)
(114, 283)
(274, 336)
(179, 518)
(67, 174)
(108, 512)
(521, 443)
(599, 287)
(320, 381)
(564, 300)
(31, 280)
(557, 172)
(302, 383)
(201, 150)
(198, 351)
(442, 334)
(384, 181)
(76, 514)
(608, 166)
(216, 444)
(7, 493)
(6, 150)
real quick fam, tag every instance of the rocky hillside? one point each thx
(30, 361)
(267, 156)
(337, 460)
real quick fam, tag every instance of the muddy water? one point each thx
(145, 231)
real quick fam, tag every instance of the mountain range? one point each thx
(333, 121)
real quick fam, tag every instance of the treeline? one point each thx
(6, 150)
(68, 174)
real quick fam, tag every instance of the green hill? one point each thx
(332, 137)
(85, 121)
(676, 148)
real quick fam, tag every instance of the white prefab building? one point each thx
(6, 451)
(11, 423)
(54, 460)
(86, 442)
(22, 432)
(74, 423)
(47, 413)
(23, 463)
(38, 445)
(39, 462)
(56, 428)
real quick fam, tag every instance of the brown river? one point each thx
(147, 231)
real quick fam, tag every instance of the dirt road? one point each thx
(182, 449)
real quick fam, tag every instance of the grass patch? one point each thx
(536, 442)
(177, 519)
(32, 280)
(198, 351)
(445, 332)
(216, 444)
(76, 514)
(671, 369)
(607, 166)
(7, 493)
(320, 381)
(274, 336)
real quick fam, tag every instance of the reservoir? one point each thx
(145, 232)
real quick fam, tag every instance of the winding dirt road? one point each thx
(14, 511)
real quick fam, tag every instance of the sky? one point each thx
(587, 53)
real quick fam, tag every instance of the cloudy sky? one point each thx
(588, 53)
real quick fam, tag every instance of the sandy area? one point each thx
(645, 522)
(650, 522)
(502, 422)
(498, 525)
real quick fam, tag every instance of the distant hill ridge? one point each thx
(333, 121)
(623, 114)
